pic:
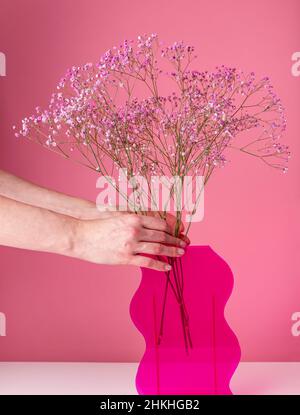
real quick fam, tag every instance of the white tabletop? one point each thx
(118, 378)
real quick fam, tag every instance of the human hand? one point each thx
(126, 239)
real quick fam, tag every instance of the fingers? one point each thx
(158, 249)
(151, 222)
(142, 261)
(166, 225)
(171, 220)
(161, 237)
(153, 236)
(185, 238)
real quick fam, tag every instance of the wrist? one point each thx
(83, 209)
(75, 208)
(79, 243)
(72, 231)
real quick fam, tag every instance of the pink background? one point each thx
(62, 309)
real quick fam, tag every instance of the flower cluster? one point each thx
(114, 109)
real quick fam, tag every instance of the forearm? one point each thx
(29, 227)
(23, 191)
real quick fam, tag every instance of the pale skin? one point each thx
(32, 217)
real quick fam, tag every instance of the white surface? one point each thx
(119, 378)
(271, 378)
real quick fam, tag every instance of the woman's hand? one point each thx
(125, 239)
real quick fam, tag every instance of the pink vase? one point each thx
(167, 366)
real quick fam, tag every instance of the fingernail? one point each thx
(168, 267)
(183, 244)
(180, 251)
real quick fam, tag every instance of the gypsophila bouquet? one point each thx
(143, 109)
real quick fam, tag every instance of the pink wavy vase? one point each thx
(167, 368)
